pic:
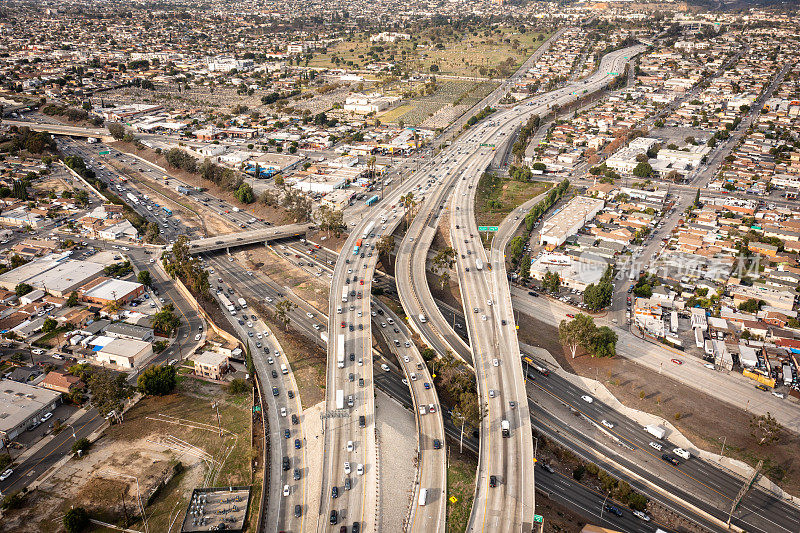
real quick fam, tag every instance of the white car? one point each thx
(606, 423)
(422, 409)
(316, 327)
(779, 395)
(286, 490)
(495, 362)
(587, 399)
(709, 365)
(249, 324)
(350, 446)
(283, 412)
(47, 417)
(198, 337)
(5, 475)
(270, 360)
(310, 315)
(347, 467)
(360, 469)
(406, 358)
(385, 367)
(37, 351)
(266, 333)
(641, 516)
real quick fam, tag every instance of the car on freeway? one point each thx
(670, 459)
(346, 467)
(586, 398)
(710, 366)
(495, 362)
(6, 474)
(606, 423)
(642, 516)
(656, 446)
(677, 361)
(492, 481)
(613, 509)
(762, 387)
(437, 444)
(385, 367)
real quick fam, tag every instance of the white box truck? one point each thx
(656, 431)
(479, 264)
(340, 353)
(340, 399)
(505, 428)
(423, 496)
(345, 290)
(242, 303)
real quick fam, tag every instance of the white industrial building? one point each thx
(125, 353)
(22, 407)
(56, 274)
(569, 220)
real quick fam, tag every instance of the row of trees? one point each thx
(180, 264)
(581, 332)
(525, 133)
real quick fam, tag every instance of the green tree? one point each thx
(751, 305)
(577, 333)
(81, 445)
(282, 310)
(386, 246)
(604, 342)
(22, 289)
(72, 301)
(442, 263)
(238, 386)
(643, 170)
(765, 429)
(525, 267)
(49, 325)
(331, 220)
(245, 194)
(76, 520)
(145, 278)
(108, 390)
(166, 320)
(116, 130)
(157, 380)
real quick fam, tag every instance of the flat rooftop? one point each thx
(18, 401)
(578, 211)
(52, 273)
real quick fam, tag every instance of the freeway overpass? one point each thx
(59, 129)
(245, 238)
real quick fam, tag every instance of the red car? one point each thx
(343, 324)
(570, 315)
(677, 361)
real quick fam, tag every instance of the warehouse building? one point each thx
(105, 290)
(569, 220)
(121, 330)
(56, 274)
(22, 407)
(125, 353)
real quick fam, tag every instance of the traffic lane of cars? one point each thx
(716, 484)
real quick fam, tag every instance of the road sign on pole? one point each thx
(104, 152)
(488, 228)
(537, 518)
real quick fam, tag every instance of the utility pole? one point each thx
(215, 405)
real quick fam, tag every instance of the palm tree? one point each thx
(408, 203)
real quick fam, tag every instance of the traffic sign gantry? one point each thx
(488, 228)
(104, 152)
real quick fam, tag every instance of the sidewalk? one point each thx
(28, 452)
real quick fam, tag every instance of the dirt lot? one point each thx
(460, 485)
(157, 434)
(702, 418)
(274, 215)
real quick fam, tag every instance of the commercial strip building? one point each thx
(571, 218)
(56, 274)
(212, 365)
(22, 407)
(105, 290)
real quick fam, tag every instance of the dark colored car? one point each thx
(286, 463)
(493, 481)
(275, 391)
(335, 492)
(296, 444)
(296, 474)
(437, 444)
(613, 509)
(295, 420)
(298, 510)
(334, 517)
(670, 459)
(274, 374)
(287, 433)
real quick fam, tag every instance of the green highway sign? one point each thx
(489, 145)
(537, 519)
(104, 152)
(488, 228)
(614, 73)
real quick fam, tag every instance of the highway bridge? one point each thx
(245, 238)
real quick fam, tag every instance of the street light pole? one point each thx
(603, 508)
